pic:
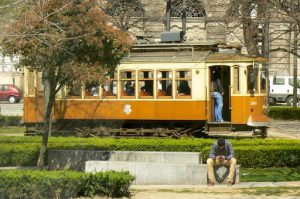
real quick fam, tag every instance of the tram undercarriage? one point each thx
(122, 128)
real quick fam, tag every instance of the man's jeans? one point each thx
(218, 106)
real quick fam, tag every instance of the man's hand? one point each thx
(221, 157)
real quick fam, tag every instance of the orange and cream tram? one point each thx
(160, 89)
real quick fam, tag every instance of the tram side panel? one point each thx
(249, 110)
(34, 109)
(130, 110)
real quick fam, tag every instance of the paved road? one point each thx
(11, 109)
(284, 129)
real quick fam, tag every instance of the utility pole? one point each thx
(295, 62)
(168, 15)
(266, 44)
(295, 50)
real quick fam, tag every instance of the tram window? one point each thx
(164, 84)
(145, 83)
(236, 79)
(127, 83)
(251, 79)
(110, 88)
(183, 82)
(91, 89)
(74, 90)
(30, 83)
(40, 85)
(263, 81)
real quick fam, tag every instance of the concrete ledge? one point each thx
(75, 159)
(156, 173)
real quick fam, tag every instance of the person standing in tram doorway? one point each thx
(217, 93)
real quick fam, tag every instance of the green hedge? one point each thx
(285, 113)
(34, 184)
(23, 151)
(264, 156)
(110, 183)
(10, 120)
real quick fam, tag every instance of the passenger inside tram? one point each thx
(129, 88)
(184, 88)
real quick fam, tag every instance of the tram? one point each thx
(160, 89)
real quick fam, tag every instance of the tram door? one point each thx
(223, 73)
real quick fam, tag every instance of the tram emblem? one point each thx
(127, 109)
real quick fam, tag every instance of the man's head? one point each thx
(221, 142)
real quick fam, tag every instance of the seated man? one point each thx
(221, 154)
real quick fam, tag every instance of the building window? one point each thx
(236, 79)
(127, 83)
(193, 8)
(145, 83)
(164, 84)
(127, 13)
(183, 83)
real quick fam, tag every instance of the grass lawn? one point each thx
(270, 174)
(12, 130)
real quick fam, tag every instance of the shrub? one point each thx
(285, 113)
(35, 184)
(10, 120)
(110, 184)
(23, 151)
(19, 154)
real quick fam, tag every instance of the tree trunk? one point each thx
(49, 101)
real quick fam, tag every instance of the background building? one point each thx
(10, 73)
(205, 21)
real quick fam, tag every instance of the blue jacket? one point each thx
(227, 151)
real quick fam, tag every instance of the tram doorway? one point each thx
(223, 73)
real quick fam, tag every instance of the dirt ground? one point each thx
(250, 190)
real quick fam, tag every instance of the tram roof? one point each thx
(183, 52)
(228, 57)
(161, 56)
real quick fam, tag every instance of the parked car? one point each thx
(281, 89)
(10, 93)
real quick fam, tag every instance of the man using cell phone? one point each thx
(221, 154)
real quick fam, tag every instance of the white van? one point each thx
(281, 89)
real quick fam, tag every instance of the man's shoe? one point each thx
(229, 183)
(211, 183)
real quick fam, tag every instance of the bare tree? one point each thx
(291, 10)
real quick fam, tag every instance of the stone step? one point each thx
(75, 159)
(147, 173)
